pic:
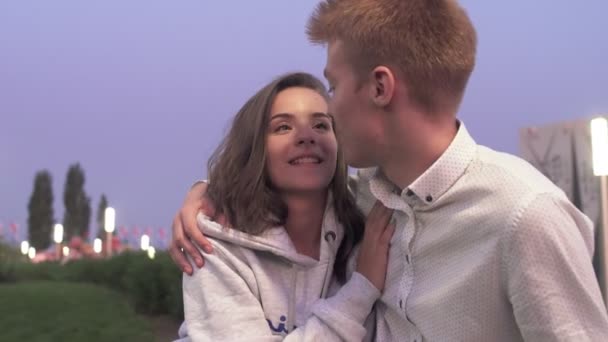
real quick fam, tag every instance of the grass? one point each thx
(60, 311)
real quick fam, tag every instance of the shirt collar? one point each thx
(450, 166)
(434, 182)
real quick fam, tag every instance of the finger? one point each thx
(223, 220)
(385, 216)
(377, 209)
(176, 229)
(387, 235)
(180, 259)
(194, 233)
(374, 212)
(207, 207)
(382, 218)
(200, 240)
(183, 243)
(191, 250)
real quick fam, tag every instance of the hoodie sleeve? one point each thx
(345, 313)
(219, 305)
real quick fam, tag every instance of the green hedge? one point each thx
(154, 286)
(9, 257)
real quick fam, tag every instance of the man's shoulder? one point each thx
(511, 175)
(497, 187)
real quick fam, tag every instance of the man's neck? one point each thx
(305, 220)
(413, 147)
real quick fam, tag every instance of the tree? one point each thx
(77, 215)
(40, 211)
(101, 222)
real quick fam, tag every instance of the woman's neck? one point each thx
(305, 220)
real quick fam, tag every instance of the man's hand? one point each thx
(185, 229)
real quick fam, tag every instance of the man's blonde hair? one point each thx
(432, 43)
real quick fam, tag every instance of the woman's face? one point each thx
(301, 147)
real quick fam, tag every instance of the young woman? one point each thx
(280, 270)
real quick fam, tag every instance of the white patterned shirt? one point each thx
(486, 249)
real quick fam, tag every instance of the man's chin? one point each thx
(359, 163)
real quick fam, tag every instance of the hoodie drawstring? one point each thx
(292, 305)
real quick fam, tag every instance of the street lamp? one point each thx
(110, 221)
(58, 238)
(599, 151)
(31, 253)
(151, 252)
(97, 245)
(25, 247)
(145, 242)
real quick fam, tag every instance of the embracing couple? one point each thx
(436, 238)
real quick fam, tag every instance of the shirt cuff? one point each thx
(198, 182)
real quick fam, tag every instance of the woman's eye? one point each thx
(281, 128)
(322, 125)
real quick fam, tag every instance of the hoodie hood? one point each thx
(276, 240)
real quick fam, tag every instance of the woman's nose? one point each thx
(305, 137)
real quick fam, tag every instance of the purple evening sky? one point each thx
(140, 91)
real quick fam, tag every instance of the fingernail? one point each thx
(199, 262)
(208, 249)
(189, 270)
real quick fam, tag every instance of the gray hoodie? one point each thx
(258, 288)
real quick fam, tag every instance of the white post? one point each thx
(97, 246)
(599, 148)
(31, 253)
(604, 236)
(109, 220)
(25, 247)
(58, 238)
(145, 242)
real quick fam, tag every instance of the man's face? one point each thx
(356, 120)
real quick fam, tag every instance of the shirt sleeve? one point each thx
(198, 182)
(549, 274)
(220, 306)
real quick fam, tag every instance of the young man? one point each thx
(486, 248)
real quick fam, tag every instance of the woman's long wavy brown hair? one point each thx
(239, 184)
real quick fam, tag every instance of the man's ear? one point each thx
(383, 86)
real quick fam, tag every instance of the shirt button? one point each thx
(409, 193)
(429, 198)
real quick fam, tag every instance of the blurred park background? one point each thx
(127, 297)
